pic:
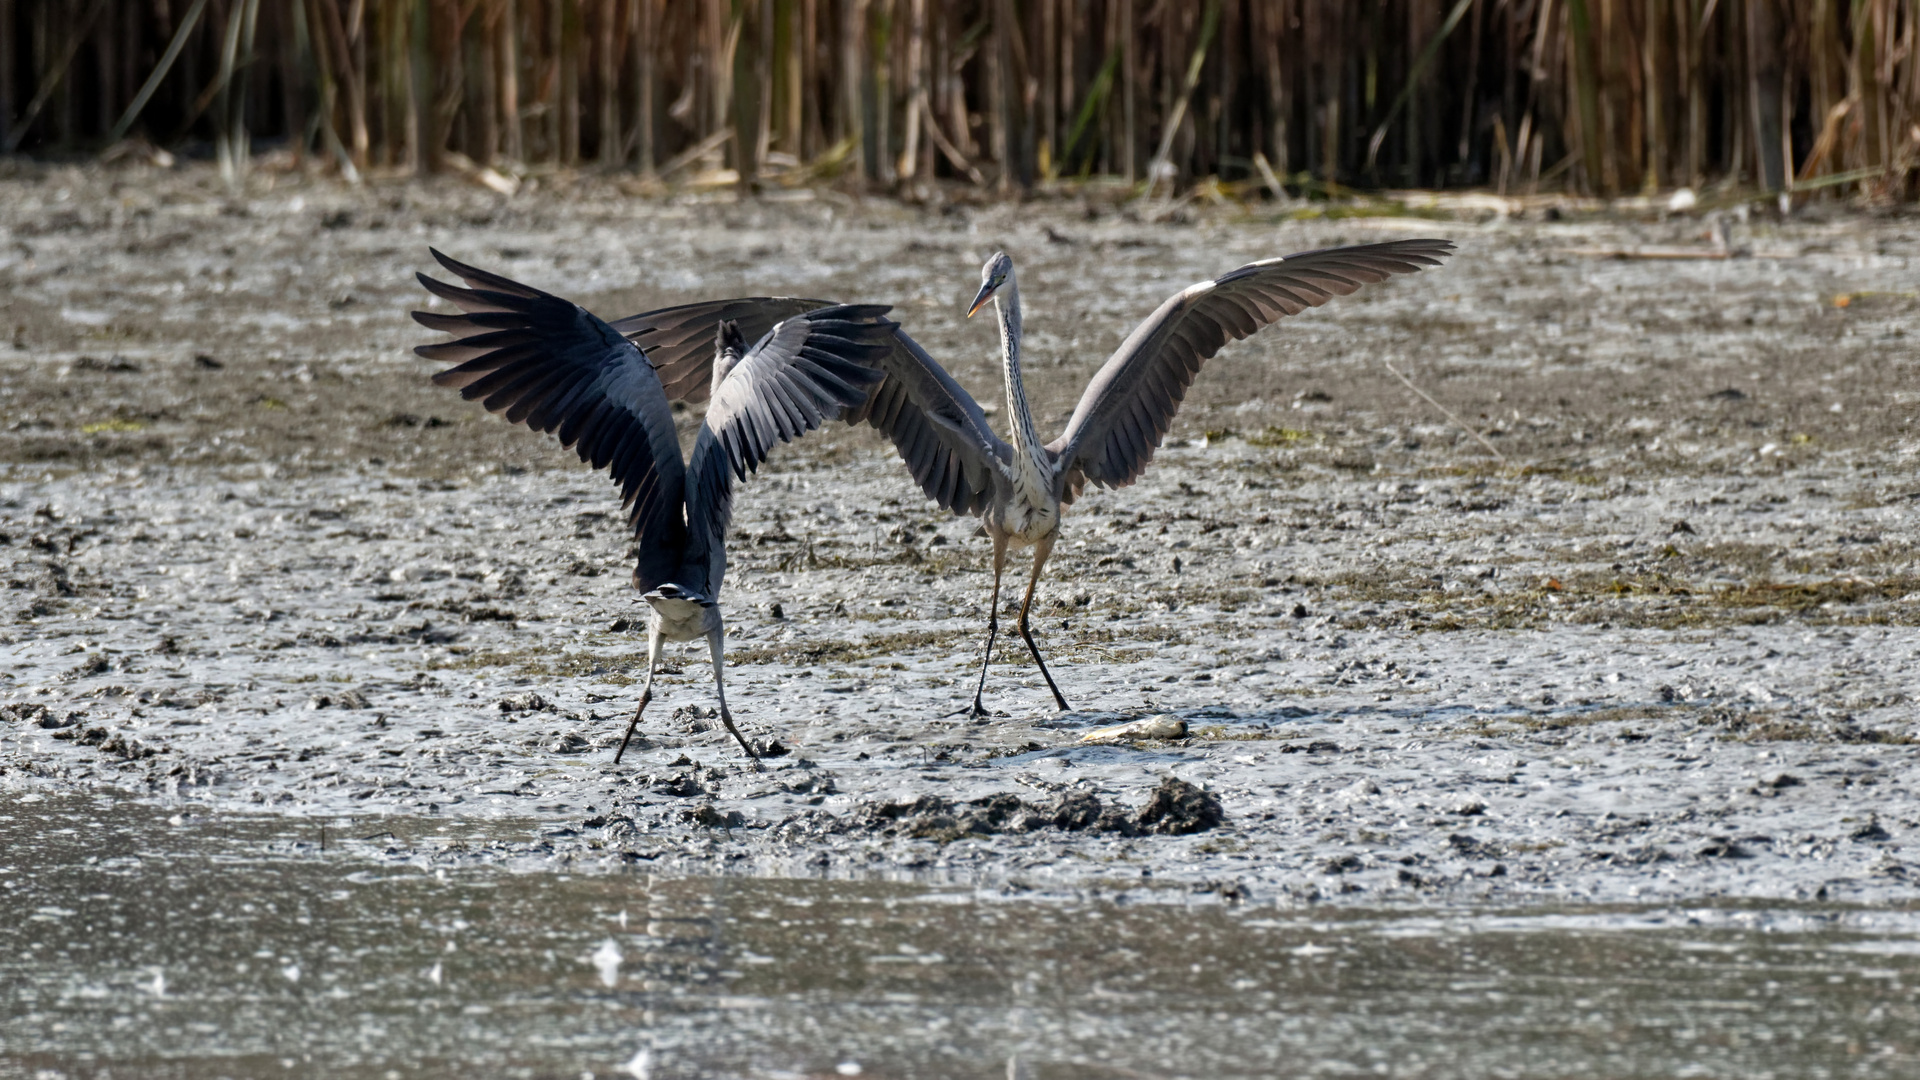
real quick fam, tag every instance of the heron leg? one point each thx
(1041, 550)
(716, 640)
(993, 620)
(654, 641)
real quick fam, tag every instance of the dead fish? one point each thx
(1162, 726)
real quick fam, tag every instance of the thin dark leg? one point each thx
(993, 621)
(646, 692)
(645, 696)
(716, 641)
(1040, 552)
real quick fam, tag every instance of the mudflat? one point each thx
(1662, 646)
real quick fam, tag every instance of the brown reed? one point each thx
(1602, 97)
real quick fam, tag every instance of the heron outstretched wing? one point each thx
(937, 427)
(1128, 407)
(550, 364)
(679, 340)
(804, 372)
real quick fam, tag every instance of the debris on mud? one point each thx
(525, 701)
(1163, 726)
(1176, 808)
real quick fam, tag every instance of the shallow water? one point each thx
(141, 942)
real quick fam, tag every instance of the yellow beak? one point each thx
(980, 301)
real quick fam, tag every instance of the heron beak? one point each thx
(980, 301)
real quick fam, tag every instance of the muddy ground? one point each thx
(1664, 648)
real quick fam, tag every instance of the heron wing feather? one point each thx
(679, 340)
(553, 366)
(1128, 407)
(937, 427)
(803, 372)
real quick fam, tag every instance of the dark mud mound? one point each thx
(1176, 808)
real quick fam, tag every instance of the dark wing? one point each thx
(941, 434)
(1130, 403)
(551, 365)
(679, 340)
(803, 373)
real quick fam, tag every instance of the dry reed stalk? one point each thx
(512, 128)
(132, 113)
(1608, 95)
(8, 44)
(55, 75)
(909, 164)
(1178, 114)
(1128, 73)
(638, 144)
(606, 75)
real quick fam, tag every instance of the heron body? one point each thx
(551, 365)
(1030, 512)
(1129, 406)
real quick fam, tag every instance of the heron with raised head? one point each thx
(1019, 490)
(551, 365)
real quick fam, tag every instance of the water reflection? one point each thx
(133, 944)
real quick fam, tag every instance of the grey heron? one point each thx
(1020, 490)
(551, 365)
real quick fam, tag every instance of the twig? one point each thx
(695, 152)
(1448, 413)
(958, 159)
(1273, 182)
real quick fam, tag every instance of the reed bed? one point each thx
(1286, 97)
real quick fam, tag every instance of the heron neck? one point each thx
(1006, 304)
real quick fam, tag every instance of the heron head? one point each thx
(993, 275)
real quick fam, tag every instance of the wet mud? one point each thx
(1663, 647)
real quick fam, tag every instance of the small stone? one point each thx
(1470, 807)
(525, 701)
(1871, 832)
(1357, 791)
(1725, 848)
(1339, 864)
(710, 816)
(569, 744)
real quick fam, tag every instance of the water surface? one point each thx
(138, 941)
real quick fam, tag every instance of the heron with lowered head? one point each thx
(550, 364)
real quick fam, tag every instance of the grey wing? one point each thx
(1128, 407)
(678, 341)
(937, 427)
(551, 365)
(803, 373)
